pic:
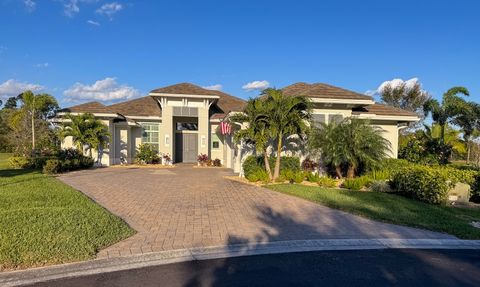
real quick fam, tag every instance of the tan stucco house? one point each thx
(183, 120)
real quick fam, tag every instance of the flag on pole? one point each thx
(225, 128)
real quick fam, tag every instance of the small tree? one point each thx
(85, 130)
(353, 142)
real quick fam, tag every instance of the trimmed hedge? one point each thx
(254, 163)
(423, 183)
(65, 160)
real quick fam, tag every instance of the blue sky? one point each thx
(80, 50)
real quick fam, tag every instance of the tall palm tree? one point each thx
(287, 115)
(85, 130)
(255, 133)
(451, 107)
(353, 142)
(451, 137)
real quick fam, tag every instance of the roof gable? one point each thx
(224, 104)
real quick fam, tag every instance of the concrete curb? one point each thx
(70, 270)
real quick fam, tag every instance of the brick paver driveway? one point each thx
(186, 207)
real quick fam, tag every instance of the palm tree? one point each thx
(255, 133)
(451, 137)
(451, 107)
(325, 139)
(85, 130)
(35, 107)
(353, 142)
(287, 116)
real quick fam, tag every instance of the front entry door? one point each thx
(186, 147)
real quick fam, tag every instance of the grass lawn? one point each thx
(43, 221)
(391, 208)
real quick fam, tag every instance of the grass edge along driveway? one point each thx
(390, 208)
(44, 221)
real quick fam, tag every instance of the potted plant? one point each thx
(167, 160)
(202, 159)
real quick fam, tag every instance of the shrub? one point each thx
(52, 166)
(326, 181)
(309, 165)
(292, 176)
(252, 163)
(312, 177)
(423, 183)
(357, 183)
(69, 154)
(19, 162)
(203, 159)
(475, 190)
(258, 175)
(86, 162)
(146, 154)
(217, 162)
(380, 186)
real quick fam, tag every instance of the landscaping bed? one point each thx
(43, 221)
(391, 208)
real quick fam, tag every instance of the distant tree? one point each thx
(11, 103)
(410, 97)
(452, 107)
(33, 111)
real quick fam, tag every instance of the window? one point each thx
(187, 127)
(317, 119)
(335, 118)
(150, 134)
(215, 141)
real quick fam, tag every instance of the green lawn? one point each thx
(43, 221)
(391, 208)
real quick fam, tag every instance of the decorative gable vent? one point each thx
(185, 112)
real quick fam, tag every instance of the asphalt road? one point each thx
(394, 267)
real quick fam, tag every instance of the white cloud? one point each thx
(109, 9)
(393, 84)
(216, 87)
(93, 23)
(70, 8)
(12, 88)
(102, 90)
(42, 65)
(256, 85)
(30, 5)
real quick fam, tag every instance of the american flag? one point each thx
(225, 128)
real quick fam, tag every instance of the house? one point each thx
(183, 120)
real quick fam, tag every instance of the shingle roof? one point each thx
(184, 89)
(384, 110)
(225, 104)
(320, 90)
(144, 106)
(90, 107)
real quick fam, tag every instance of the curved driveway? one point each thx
(186, 207)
